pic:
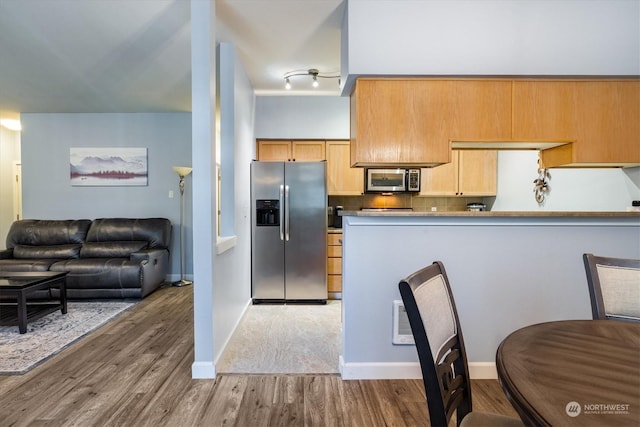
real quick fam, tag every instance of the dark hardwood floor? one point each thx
(136, 371)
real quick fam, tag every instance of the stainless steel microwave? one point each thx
(392, 180)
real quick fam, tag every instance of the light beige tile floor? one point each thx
(285, 339)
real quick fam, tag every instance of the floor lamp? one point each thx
(182, 171)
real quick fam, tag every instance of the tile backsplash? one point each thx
(418, 204)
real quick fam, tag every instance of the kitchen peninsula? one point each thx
(507, 270)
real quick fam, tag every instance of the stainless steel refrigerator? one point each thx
(289, 231)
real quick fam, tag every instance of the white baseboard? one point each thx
(483, 371)
(405, 370)
(203, 370)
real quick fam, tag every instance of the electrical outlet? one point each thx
(171, 194)
(434, 209)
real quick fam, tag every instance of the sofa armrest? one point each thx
(6, 253)
(155, 266)
(151, 255)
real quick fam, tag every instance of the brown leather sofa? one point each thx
(104, 258)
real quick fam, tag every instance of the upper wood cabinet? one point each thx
(470, 173)
(480, 110)
(277, 151)
(412, 121)
(342, 180)
(589, 123)
(399, 122)
(287, 151)
(601, 117)
(308, 151)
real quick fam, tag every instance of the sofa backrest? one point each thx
(40, 238)
(156, 232)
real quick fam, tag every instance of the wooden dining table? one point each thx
(573, 373)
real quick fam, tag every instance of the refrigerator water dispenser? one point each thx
(268, 213)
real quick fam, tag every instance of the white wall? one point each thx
(222, 285)
(46, 188)
(607, 189)
(9, 156)
(302, 117)
(491, 37)
(203, 111)
(232, 268)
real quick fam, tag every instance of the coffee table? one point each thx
(19, 285)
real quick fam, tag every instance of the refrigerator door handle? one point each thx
(281, 212)
(286, 213)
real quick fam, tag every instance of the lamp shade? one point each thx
(182, 171)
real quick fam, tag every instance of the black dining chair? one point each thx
(436, 330)
(614, 287)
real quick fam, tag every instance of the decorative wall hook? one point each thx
(541, 184)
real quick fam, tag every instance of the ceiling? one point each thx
(132, 56)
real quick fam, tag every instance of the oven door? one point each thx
(385, 180)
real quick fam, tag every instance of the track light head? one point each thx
(313, 72)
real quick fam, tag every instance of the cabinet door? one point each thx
(471, 173)
(342, 179)
(600, 116)
(477, 172)
(277, 151)
(480, 110)
(399, 121)
(308, 151)
(441, 180)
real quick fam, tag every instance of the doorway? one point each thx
(17, 191)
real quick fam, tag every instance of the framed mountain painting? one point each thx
(108, 166)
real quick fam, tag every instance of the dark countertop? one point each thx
(495, 214)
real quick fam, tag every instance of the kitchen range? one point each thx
(289, 232)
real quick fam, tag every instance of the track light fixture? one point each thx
(314, 73)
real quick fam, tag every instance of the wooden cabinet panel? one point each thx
(480, 110)
(334, 283)
(400, 122)
(471, 173)
(277, 151)
(478, 172)
(334, 262)
(334, 265)
(286, 151)
(342, 179)
(600, 116)
(334, 251)
(308, 151)
(441, 180)
(334, 239)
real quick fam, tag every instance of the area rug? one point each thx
(52, 333)
(285, 339)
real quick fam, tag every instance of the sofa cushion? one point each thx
(155, 231)
(111, 249)
(41, 232)
(41, 252)
(100, 273)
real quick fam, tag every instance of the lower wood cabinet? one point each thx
(334, 263)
